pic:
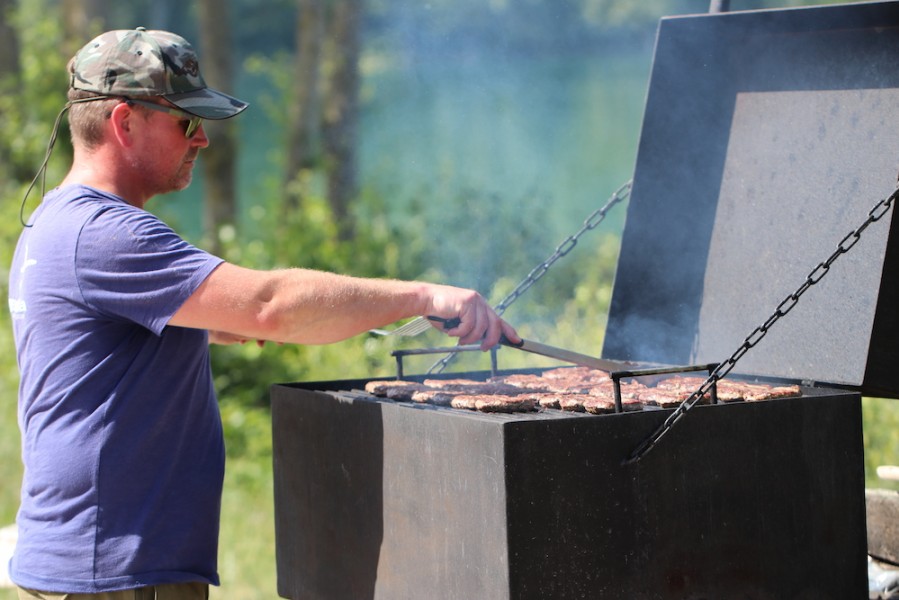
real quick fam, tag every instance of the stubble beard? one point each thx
(182, 177)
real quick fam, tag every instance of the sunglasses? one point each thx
(193, 123)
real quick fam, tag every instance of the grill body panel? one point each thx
(376, 499)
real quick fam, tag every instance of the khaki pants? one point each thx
(175, 591)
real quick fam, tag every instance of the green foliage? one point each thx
(881, 432)
(28, 110)
(30, 105)
(247, 545)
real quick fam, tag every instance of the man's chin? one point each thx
(182, 183)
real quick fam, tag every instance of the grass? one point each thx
(247, 545)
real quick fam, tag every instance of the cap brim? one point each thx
(207, 103)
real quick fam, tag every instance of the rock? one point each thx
(882, 507)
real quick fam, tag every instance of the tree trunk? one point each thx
(9, 45)
(304, 111)
(83, 20)
(10, 78)
(219, 159)
(341, 112)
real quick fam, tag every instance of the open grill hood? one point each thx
(767, 138)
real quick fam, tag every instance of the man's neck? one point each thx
(99, 172)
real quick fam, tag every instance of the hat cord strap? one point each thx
(42, 172)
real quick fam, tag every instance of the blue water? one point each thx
(565, 129)
(544, 140)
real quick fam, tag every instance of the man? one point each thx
(112, 316)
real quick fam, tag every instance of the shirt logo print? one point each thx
(17, 306)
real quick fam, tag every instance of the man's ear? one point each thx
(121, 122)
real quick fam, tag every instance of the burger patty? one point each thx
(573, 389)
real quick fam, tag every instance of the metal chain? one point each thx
(875, 214)
(567, 245)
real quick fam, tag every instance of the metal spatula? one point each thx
(417, 326)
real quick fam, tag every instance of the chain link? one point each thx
(721, 371)
(567, 245)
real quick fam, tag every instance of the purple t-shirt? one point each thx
(121, 433)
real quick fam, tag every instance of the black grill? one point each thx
(767, 136)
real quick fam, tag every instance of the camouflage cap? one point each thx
(137, 62)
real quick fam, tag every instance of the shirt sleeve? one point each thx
(132, 266)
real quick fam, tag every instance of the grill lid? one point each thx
(767, 137)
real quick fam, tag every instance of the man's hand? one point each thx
(477, 321)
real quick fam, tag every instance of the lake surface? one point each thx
(545, 141)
